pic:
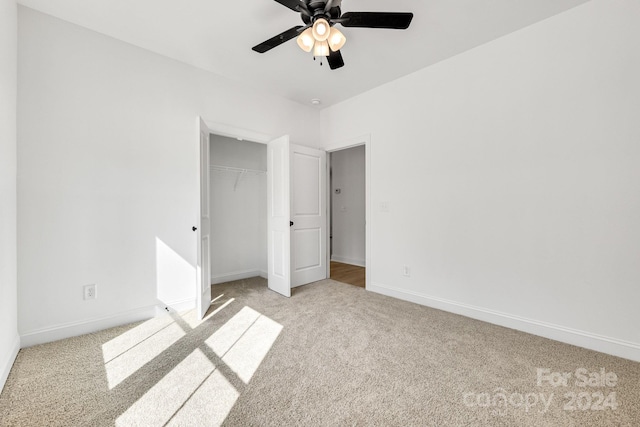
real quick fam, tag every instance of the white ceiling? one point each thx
(218, 35)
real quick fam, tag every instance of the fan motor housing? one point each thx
(316, 7)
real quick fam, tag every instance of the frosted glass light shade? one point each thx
(306, 40)
(321, 49)
(336, 39)
(321, 30)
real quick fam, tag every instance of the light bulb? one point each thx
(321, 30)
(321, 49)
(336, 39)
(306, 40)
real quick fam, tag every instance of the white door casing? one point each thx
(308, 214)
(203, 273)
(278, 209)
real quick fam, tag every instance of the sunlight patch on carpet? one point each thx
(133, 359)
(209, 405)
(194, 391)
(133, 337)
(192, 317)
(158, 405)
(244, 341)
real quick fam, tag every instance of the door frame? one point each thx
(230, 132)
(237, 132)
(363, 140)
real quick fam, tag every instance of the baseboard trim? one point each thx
(73, 329)
(603, 344)
(175, 306)
(237, 275)
(9, 359)
(350, 261)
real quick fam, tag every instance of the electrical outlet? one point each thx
(406, 271)
(90, 292)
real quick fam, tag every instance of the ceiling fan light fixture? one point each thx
(321, 30)
(336, 39)
(306, 40)
(318, 33)
(321, 49)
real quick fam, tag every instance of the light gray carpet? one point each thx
(332, 354)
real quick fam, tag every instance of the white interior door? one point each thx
(278, 198)
(308, 215)
(297, 215)
(203, 274)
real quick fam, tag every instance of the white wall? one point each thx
(107, 160)
(238, 212)
(348, 207)
(9, 339)
(512, 179)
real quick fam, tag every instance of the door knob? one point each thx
(194, 228)
(290, 223)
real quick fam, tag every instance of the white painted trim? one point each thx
(237, 132)
(349, 143)
(237, 275)
(7, 363)
(176, 306)
(73, 329)
(347, 260)
(342, 145)
(608, 345)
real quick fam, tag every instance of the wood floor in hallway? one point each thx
(347, 273)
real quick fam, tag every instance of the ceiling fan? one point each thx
(319, 33)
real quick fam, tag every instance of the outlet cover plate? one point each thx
(90, 292)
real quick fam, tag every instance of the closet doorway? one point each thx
(238, 206)
(347, 230)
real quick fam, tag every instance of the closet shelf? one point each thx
(237, 170)
(241, 172)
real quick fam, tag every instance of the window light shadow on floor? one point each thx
(200, 387)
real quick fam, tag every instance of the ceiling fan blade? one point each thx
(291, 4)
(335, 59)
(328, 6)
(391, 20)
(278, 40)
